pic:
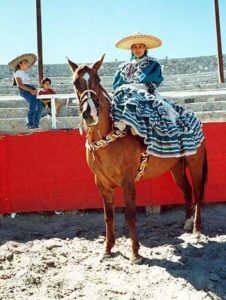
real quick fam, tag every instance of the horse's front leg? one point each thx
(107, 194)
(129, 194)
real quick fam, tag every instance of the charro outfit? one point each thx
(167, 129)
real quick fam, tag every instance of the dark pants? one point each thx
(35, 106)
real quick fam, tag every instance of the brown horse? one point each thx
(114, 157)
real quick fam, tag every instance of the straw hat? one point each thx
(30, 57)
(149, 41)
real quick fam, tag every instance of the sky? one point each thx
(85, 29)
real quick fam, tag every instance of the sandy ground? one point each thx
(48, 256)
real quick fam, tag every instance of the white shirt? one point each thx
(24, 76)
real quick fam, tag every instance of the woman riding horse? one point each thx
(168, 130)
(114, 156)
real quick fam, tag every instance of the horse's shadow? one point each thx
(194, 262)
(85, 224)
(153, 230)
(197, 259)
(199, 263)
(200, 266)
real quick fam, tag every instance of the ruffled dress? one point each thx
(167, 129)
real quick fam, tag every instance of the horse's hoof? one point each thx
(107, 255)
(196, 232)
(188, 224)
(136, 260)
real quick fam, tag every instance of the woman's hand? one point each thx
(33, 92)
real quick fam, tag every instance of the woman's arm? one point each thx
(116, 80)
(24, 87)
(152, 74)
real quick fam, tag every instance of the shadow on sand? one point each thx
(202, 263)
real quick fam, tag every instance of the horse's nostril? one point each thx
(85, 115)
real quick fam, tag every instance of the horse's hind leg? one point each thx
(198, 168)
(180, 178)
(107, 194)
(129, 194)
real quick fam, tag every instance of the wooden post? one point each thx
(219, 47)
(39, 39)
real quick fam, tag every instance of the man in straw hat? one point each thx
(19, 65)
(166, 128)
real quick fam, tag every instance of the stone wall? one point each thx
(171, 67)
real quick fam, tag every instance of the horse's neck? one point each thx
(104, 125)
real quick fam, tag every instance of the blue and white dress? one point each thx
(168, 130)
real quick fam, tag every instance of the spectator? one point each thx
(21, 79)
(47, 90)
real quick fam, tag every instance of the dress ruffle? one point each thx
(168, 130)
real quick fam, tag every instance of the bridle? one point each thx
(83, 98)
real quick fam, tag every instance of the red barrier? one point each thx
(47, 171)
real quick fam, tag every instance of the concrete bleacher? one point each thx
(181, 82)
(195, 87)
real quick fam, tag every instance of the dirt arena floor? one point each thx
(49, 256)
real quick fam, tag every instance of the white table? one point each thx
(53, 98)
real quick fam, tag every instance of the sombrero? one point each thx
(30, 57)
(149, 41)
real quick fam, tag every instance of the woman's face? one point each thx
(23, 65)
(138, 50)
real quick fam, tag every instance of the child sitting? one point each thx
(47, 90)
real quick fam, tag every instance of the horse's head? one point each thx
(87, 86)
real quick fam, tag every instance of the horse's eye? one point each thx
(76, 82)
(97, 79)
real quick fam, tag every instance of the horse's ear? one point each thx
(72, 65)
(98, 64)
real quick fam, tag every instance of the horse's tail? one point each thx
(204, 176)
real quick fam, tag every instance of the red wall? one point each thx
(47, 171)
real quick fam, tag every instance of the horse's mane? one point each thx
(81, 66)
(106, 94)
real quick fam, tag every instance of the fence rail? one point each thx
(47, 171)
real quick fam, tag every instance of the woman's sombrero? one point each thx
(30, 57)
(149, 41)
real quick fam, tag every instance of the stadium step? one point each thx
(199, 81)
(206, 106)
(195, 96)
(21, 112)
(212, 116)
(209, 106)
(18, 125)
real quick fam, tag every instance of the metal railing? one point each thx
(53, 97)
